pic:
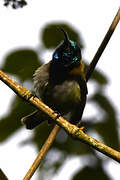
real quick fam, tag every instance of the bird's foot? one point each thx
(80, 126)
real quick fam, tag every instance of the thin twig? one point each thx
(71, 129)
(42, 152)
(103, 45)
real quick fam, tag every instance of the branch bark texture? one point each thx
(70, 128)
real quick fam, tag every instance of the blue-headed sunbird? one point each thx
(61, 85)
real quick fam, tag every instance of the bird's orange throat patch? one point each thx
(78, 70)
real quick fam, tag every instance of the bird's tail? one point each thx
(34, 119)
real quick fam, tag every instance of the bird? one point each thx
(60, 84)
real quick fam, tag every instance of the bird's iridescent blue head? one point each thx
(68, 53)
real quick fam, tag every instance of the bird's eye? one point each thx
(66, 54)
(66, 58)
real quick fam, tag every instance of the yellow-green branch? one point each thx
(70, 128)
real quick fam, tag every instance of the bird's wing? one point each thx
(41, 78)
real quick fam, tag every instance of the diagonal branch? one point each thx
(103, 45)
(42, 152)
(71, 129)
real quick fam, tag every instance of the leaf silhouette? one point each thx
(11, 122)
(91, 173)
(21, 63)
(107, 128)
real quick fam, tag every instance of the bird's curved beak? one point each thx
(66, 39)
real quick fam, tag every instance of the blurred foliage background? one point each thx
(21, 64)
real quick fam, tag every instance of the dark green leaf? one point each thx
(93, 173)
(21, 63)
(107, 128)
(11, 122)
